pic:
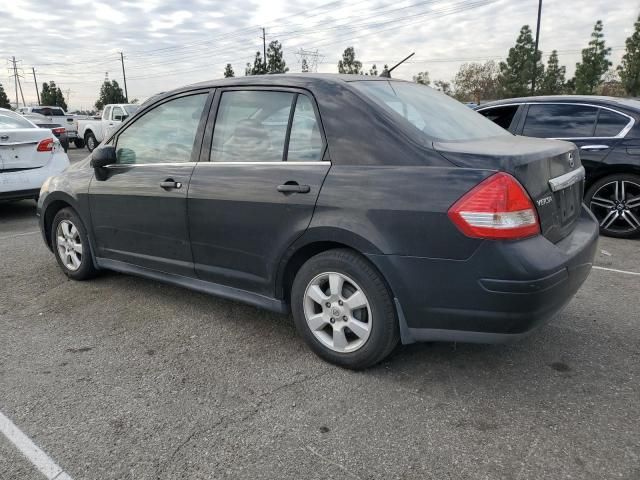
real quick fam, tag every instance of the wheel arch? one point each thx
(606, 170)
(53, 206)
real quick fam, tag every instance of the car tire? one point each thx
(71, 245)
(326, 299)
(615, 202)
(78, 142)
(90, 141)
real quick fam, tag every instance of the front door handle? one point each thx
(170, 184)
(594, 148)
(293, 188)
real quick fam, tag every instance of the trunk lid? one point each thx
(18, 148)
(547, 169)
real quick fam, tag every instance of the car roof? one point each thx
(593, 99)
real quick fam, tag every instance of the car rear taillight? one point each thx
(46, 145)
(59, 130)
(497, 208)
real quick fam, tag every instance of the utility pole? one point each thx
(264, 48)
(535, 55)
(124, 75)
(15, 79)
(33, 69)
(21, 94)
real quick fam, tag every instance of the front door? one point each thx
(257, 192)
(138, 206)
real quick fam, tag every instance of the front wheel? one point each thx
(343, 309)
(71, 245)
(90, 141)
(615, 202)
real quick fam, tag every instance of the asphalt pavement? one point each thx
(126, 378)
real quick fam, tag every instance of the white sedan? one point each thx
(28, 156)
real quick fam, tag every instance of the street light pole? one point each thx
(535, 55)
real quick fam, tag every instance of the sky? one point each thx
(168, 44)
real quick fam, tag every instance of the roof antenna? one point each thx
(386, 73)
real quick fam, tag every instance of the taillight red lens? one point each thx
(46, 145)
(497, 208)
(58, 130)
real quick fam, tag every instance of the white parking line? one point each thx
(19, 235)
(615, 270)
(36, 456)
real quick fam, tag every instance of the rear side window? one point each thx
(251, 126)
(560, 121)
(118, 114)
(163, 135)
(305, 141)
(610, 123)
(502, 116)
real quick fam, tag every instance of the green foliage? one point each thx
(305, 66)
(629, 68)
(422, 78)
(349, 64)
(259, 68)
(4, 100)
(51, 95)
(553, 81)
(516, 74)
(594, 63)
(228, 71)
(275, 58)
(477, 82)
(110, 92)
(373, 71)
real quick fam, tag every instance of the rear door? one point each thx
(254, 190)
(139, 205)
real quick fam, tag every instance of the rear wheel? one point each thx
(343, 309)
(615, 202)
(71, 245)
(79, 143)
(90, 141)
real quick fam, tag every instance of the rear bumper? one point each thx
(22, 183)
(499, 294)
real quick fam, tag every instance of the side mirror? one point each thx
(103, 156)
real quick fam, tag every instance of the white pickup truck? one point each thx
(95, 131)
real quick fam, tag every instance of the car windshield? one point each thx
(435, 114)
(130, 109)
(10, 120)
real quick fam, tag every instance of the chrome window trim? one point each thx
(176, 164)
(621, 134)
(566, 180)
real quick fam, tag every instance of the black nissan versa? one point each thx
(375, 210)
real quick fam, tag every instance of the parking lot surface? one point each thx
(126, 378)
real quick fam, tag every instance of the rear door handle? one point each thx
(170, 184)
(293, 188)
(594, 148)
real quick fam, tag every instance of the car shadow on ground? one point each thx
(17, 210)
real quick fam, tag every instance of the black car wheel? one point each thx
(71, 245)
(79, 143)
(344, 310)
(90, 141)
(615, 201)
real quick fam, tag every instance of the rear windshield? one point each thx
(435, 114)
(10, 120)
(49, 112)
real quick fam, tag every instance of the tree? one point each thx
(442, 86)
(611, 85)
(258, 68)
(422, 78)
(477, 81)
(110, 92)
(228, 71)
(553, 82)
(305, 66)
(373, 71)
(275, 58)
(594, 63)
(629, 68)
(4, 100)
(516, 74)
(349, 64)
(51, 95)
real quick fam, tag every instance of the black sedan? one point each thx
(607, 131)
(376, 210)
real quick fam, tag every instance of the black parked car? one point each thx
(607, 131)
(375, 210)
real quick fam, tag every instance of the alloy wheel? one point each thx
(337, 312)
(69, 245)
(616, 205)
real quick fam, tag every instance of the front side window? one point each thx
(560, 121)
(610, 123)
(251, 126)
(107, 113)
(163, 135)
(118, 114)
(502, 116)
(436, 115)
